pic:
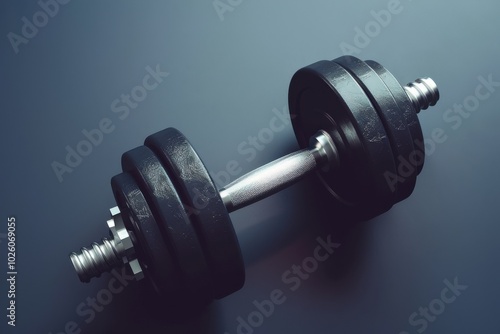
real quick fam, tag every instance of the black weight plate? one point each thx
(209, 214)
(152, 252)
(325, 96)
(409, 112)
(178, 231)
(394, 123)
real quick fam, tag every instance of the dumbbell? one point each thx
(357, 128)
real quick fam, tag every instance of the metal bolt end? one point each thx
(92, 262)
(111, 253)
(423, 93)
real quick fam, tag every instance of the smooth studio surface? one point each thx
(84, 82)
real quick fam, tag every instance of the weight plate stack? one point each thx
(208, 213)
(326, 96)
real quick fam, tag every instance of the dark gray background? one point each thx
(226, 77)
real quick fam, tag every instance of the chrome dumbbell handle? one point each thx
(279, 174)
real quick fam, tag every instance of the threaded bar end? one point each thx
(93, 262)
(423, 93)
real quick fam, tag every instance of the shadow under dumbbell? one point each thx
(280, 225)
(142, 310)
(315, 215)
(331, 219)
